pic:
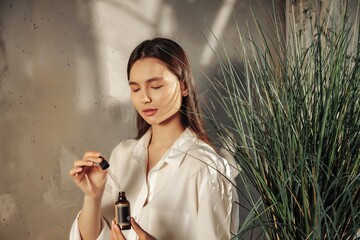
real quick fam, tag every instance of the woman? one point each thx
(177, 185)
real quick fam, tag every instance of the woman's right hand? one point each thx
(88, 175)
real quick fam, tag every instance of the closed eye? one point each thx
(135, 90)
(156, 87)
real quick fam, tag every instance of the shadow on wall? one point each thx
(53, 108)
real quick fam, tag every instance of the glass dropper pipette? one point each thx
(105, 165)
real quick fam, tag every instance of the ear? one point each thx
(184, 88)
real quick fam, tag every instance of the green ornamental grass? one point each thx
(294, 117)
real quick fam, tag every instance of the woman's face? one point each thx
(155, 91)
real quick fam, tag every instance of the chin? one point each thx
(150, 120)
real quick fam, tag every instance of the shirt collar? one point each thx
(174, 156)
(140, 152)
(179, 149)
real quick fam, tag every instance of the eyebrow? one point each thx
(147, 81)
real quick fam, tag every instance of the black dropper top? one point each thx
(104, 164)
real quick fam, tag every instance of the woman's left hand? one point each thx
(116, 233)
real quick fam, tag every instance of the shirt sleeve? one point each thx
(107, 208)
(215, 203)
(75, 233)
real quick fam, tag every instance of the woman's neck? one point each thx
(163, 137)
(165, 134)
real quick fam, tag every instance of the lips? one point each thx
(149, 112)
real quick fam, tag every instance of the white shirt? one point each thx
(188, 192)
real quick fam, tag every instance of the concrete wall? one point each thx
(63, 90)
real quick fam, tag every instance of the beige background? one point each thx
(63, 90)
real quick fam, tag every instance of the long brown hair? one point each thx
(174, 56)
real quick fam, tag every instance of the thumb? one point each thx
(139, 231)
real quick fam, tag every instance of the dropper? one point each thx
(105, 165)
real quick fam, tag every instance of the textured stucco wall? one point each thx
(63, 91)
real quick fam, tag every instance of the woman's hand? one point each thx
(116, 233)
(88, 175)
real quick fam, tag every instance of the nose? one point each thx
(145, 98)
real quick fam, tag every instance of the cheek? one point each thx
(173, 101)
(171, 97)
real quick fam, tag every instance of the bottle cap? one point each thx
(104, 164)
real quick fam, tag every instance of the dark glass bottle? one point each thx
(122, 212)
